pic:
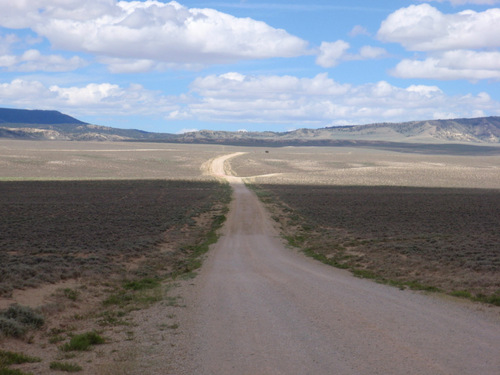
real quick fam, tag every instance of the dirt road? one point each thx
(261, 308)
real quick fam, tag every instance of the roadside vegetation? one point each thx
(433, 239)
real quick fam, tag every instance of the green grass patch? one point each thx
(71, 294)
(9, 371)
(364, 274)
(65, 366)
(415, 285)
(462, 294)
(11, 358)
(136, 294)
(493, 300)
(121, 298)
(83, 342)
(142, 284)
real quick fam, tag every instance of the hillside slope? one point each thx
(478, 130)
(24, 116)
(53, 125)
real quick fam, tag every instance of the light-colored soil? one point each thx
(65, 160)
(35, 297)
(364, 167)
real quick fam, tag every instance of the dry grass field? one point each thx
(58, 160)
(414, 220)
(344, 166)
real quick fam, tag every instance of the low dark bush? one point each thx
(17, 319)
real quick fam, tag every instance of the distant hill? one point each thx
(478, 130)
(24, 116)
(54, 125)
(410, 136)
(458, 136)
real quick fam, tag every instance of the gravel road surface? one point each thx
(260, 308)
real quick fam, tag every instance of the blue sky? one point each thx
(251, 65)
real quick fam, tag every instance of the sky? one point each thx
(245, 65)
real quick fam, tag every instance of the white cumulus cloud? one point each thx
(321, 100)
(6, 41)
(331, 54)
(270, 99)
(359, 30)
(463, 45)
(425, 28)
(91, 99)
(452, 65)
(369, 52)
(265, 87)
(33, 60)
(140, 32)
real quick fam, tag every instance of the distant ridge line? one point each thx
(54, 125)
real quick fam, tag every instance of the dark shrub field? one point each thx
(430, 238)
(56, 230)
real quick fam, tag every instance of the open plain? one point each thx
(258, 306)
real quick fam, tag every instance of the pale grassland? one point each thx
(287, 165)
(364, 167)
(59, 160)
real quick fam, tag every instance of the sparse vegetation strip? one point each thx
(8, 358)
(194, 259)
(65, 366)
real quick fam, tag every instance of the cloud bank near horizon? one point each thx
(236, 98)
(54, 64)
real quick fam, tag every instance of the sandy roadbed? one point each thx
(260, 308)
